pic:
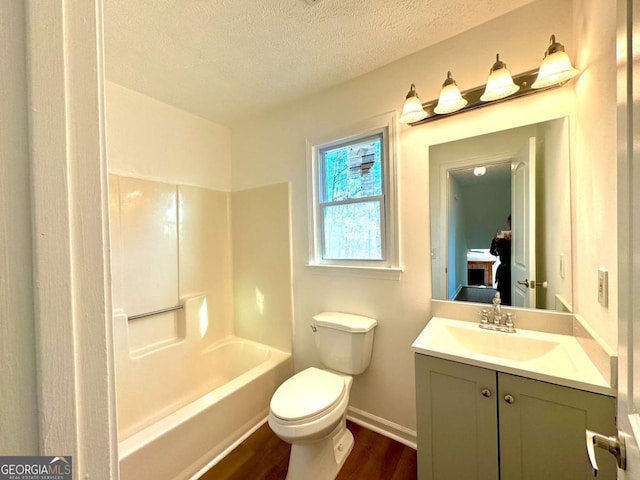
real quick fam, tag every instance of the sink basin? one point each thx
(510, 346)
(549, 357)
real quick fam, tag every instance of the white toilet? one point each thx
(309, 409)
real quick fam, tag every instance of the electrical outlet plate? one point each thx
(603, 287)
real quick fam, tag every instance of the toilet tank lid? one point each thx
(345, 321)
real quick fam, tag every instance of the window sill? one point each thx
(382, 273)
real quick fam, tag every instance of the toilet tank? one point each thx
(344, 341)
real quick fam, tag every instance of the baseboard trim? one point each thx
(384, 427)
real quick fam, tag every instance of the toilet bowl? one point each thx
(309, 409)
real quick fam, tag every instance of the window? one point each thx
(352, 200)
(354, 205)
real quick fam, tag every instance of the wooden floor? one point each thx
(263, 456)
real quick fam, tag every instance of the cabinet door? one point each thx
(542, 430)
(457, 424)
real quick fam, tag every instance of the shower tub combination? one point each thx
(180, 409)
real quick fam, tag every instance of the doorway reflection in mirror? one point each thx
(527, 176)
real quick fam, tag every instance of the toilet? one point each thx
(309, 409)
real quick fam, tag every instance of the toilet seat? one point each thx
(307, 395)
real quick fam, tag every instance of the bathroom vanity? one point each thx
(509, 406)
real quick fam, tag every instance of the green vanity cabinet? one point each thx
(457, 424)
(478, 424)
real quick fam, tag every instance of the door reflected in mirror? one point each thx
(501, 217)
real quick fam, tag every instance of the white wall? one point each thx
(554, 213)
(172, 240)
(271, 149)
(595, 151)
(261, 242)
(18, 415)
(150, 139)
(70, 244)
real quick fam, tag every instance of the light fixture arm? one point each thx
(412, 92)
(498, 64)
(449, 80)
(554, 46)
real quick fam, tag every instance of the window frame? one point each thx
(383, 126)
(380, 199)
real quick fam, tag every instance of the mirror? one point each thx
(501, 217)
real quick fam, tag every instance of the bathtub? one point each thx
(175, 424)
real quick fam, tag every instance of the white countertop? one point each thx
(549, 357)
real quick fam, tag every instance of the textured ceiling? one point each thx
(222, 59)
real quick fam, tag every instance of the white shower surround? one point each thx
(181, 408)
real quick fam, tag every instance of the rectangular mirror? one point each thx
(501, 217)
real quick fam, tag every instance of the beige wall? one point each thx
(271, 149)
(595, 242)
(555, 213)
(150, 139)
(18, 415)
(262, 265)
(53, 243)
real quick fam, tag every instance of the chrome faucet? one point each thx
(498, 316)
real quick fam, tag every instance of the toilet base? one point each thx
(320, 460)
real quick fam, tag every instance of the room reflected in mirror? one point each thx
(501, 217)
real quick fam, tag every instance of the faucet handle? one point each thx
(484, 316)
(509, 322)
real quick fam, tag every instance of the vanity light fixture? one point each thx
(479, 171)
(450, 99)
(554, 71)
(500, 82)
(412, 110)
(555, 67)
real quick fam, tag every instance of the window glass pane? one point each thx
(352, 231)
(353, 171)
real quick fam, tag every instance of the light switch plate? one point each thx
(603, 287)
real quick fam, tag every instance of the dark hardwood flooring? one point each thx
(263, 456)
